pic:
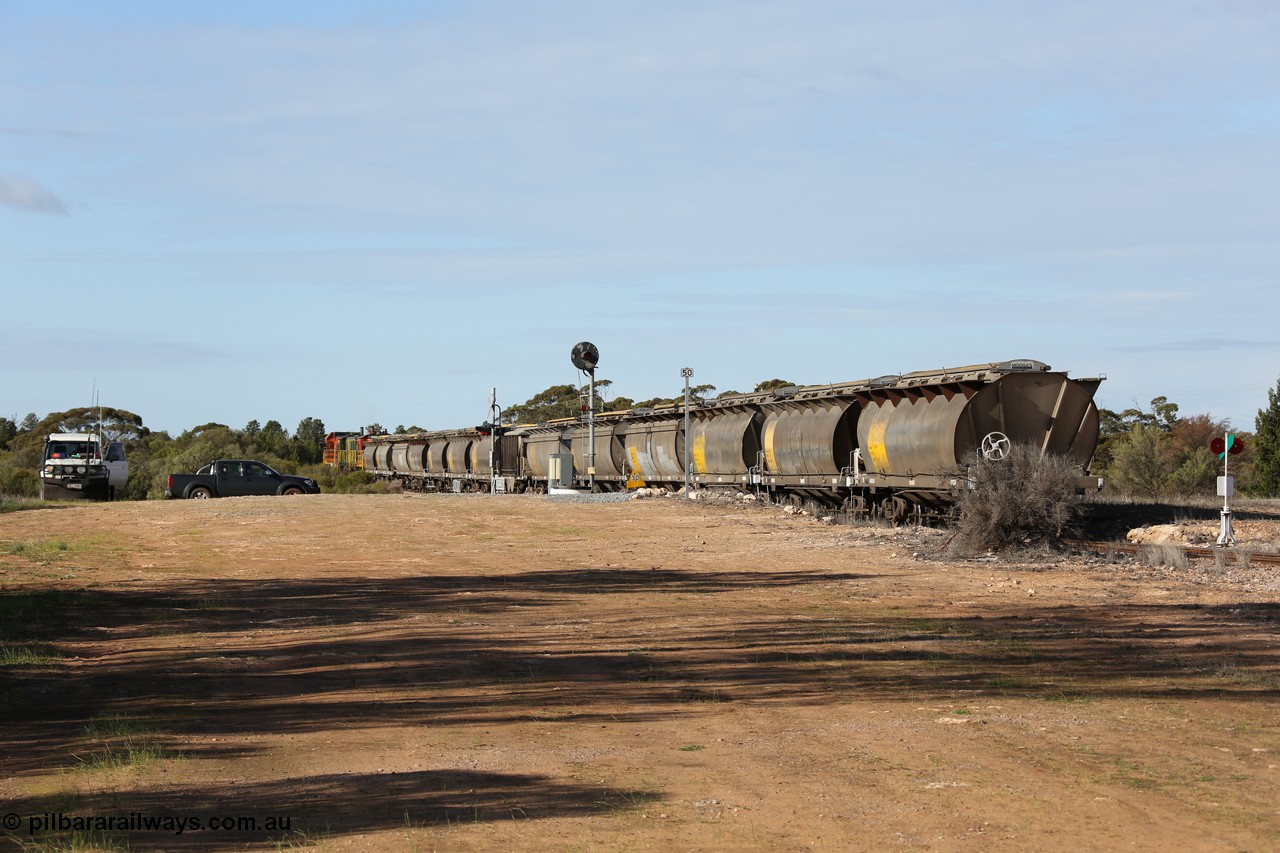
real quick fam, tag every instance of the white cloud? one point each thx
(22, 193)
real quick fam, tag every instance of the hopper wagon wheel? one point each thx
(895, 510)
(996, 446)
(855, 505)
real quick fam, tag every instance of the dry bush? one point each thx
(1025, 499)
(1164, 555)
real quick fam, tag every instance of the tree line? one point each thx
(570, 401)
(155, 455)
(1155, 452)
(1150, 451)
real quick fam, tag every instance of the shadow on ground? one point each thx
(301, 812)
(193, 661)
(1111, 520)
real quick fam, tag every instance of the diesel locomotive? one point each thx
(892, 446)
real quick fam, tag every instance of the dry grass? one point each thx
(1021, 500)
(1173, 556)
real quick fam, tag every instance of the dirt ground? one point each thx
(408, 672)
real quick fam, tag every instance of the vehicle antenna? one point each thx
(95, 403)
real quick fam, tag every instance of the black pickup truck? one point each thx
(235, 477)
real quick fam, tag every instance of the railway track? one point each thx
(1240, 556)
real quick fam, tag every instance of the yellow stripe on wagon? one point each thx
(700, 453)
(875, 447)
(635, 479)
(770, 458)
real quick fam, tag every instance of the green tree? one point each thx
(1153, 452)
(1195, 467)
(115, 424)
(558, 401)
(655, 402)
(1265, 478)
(148, 466)
(203, 430)
(272, 439)
(603, 392)
(1116, 427)
(1163, 415)
(8, 431)
(201, 445)
(773, 384)
(699, 393)
(1196, 473)
(308, 441)
(18, 482)
(1141, 463)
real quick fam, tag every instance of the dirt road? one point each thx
(407, 672)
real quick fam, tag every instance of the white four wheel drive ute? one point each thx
(76, 466)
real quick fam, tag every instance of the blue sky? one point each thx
(235, 211)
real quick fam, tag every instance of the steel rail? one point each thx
(1242, 556)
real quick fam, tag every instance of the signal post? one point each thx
(1226, 447)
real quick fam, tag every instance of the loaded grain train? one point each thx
(889, 446)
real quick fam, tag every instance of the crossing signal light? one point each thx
(1230, 444)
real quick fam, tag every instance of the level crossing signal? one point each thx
(1230, 444)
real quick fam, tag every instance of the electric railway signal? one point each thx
(585, 356)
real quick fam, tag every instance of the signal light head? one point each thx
(1230, 444)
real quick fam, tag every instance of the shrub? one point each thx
(349, 482)
(1024, 499)
(1142, 463)
(19, 483)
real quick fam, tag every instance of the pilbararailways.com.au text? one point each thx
(139, 822)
